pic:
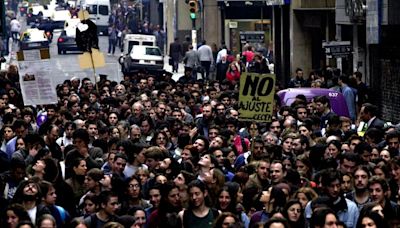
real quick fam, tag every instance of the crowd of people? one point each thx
(217, 63)
(152, 152)
(124, 20)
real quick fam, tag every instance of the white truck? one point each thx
(141, 52)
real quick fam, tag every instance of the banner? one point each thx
(36, 82)
(256, 97)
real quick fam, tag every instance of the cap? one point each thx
(103, 76)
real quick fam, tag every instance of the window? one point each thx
(131, 43)
(103, 9)
(153, 51)
(92, 9)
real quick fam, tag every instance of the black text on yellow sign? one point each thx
(256, 98)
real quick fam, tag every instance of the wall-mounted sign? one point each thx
(337, 49)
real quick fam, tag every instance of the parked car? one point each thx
(144, 57)
(33, 39)
(338, 103)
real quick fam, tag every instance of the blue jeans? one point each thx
(111, 45)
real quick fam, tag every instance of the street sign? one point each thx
(337, 49)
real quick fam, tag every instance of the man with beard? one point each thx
(206, 120)
(360, 195)
(50, 140)
(160, 112)
(345, 209)
(255, 153)
(93, 130)
(257, 182)
(29, 196)
(135, 134)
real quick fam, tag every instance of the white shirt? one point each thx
(32, 214)
(15, 26)
(221, 54)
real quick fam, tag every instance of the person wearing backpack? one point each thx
(199, 214)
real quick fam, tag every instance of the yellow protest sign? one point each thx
(256, 97)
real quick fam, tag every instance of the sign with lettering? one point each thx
(256, 97)
(337, 49)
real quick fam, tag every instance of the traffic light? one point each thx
(193, 8)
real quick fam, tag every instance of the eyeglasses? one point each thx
(161, 138)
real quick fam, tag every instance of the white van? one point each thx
(99, 13)
(137, 39)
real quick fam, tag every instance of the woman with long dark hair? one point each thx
(77, 179)
(170, 205)
(227, 202)
(14, 214)
(294, 213)
(271, 199)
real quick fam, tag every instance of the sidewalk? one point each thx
(167, 67)
(11, 58)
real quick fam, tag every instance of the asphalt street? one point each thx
(67, 65)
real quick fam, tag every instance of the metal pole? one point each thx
(194, 34)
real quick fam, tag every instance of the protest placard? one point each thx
(36, 82)
(256, 97)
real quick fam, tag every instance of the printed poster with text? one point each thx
(256, 97)
(36, 82)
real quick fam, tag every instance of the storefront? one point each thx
(246, 22)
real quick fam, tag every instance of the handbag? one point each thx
(199, 69)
